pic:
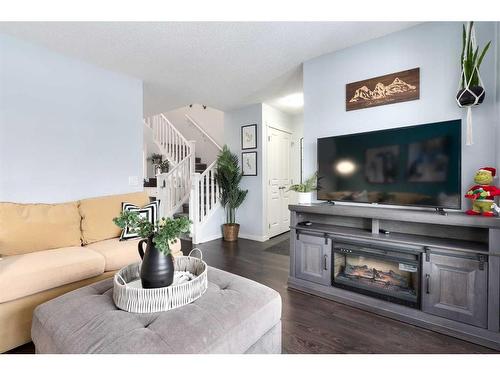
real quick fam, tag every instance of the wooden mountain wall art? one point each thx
(389, 89)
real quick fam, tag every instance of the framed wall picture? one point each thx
(389, 89)
(249, 163)
(249, 137)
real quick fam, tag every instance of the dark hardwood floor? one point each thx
(315, 325)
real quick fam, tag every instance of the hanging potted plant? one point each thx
(157, 268)
(228, 177)
(304, 190)
(471, 87)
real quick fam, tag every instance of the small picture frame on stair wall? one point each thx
(249, 137)
(249, 163)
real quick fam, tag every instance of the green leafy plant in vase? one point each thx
(228, 176)
(304, 190)
(157, 268)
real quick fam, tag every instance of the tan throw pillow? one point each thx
(98, 213)
(26, 228)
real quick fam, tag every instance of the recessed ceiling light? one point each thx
(293, 100)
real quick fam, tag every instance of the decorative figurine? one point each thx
(483, 194)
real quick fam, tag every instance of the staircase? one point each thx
(189, 188)
(199, 168)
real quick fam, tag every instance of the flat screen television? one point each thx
(409, 166)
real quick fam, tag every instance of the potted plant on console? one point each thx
(228, 176)
(157, 269)
(305, 189)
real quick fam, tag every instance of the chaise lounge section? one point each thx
(47, 250)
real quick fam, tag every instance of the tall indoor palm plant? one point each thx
(228, 177)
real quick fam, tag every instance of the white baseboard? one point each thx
(241, 235)
(253, 237)
(208, 238)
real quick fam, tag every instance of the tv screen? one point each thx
(416, 166)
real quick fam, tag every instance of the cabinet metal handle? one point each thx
(427, 283)
(482, 259)
(325, 262)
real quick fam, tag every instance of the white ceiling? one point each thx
(225, 65)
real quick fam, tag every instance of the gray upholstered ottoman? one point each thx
(235, 315)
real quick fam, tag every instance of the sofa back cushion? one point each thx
(26, 228)
(98, 213)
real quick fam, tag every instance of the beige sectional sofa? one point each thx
(49, 249)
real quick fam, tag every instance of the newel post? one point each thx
(192, 151)
(194, 205)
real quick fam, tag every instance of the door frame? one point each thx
(266, 170)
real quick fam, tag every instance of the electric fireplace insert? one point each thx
(389, 274)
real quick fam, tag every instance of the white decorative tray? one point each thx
(190, 282)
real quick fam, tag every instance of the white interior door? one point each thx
(278, 167)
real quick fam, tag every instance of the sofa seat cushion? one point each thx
(27, 274)
(25, 228)
(98, 213)
(232, 315)
(118, 254)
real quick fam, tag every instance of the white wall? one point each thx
(435, 48)
(210, 120)
(150, 147)
(68, 130)
(250, 215)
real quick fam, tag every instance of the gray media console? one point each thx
(440, 272)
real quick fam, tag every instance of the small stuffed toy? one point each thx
(483, 194)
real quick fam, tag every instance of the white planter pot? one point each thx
(305, 198)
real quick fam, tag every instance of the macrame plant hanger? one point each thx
(467, 81)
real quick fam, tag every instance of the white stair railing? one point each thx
(206, 194)
(172, 143)
(181, 182)
(203, 132)
(174, 187)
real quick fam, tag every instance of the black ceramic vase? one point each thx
(157, 269)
